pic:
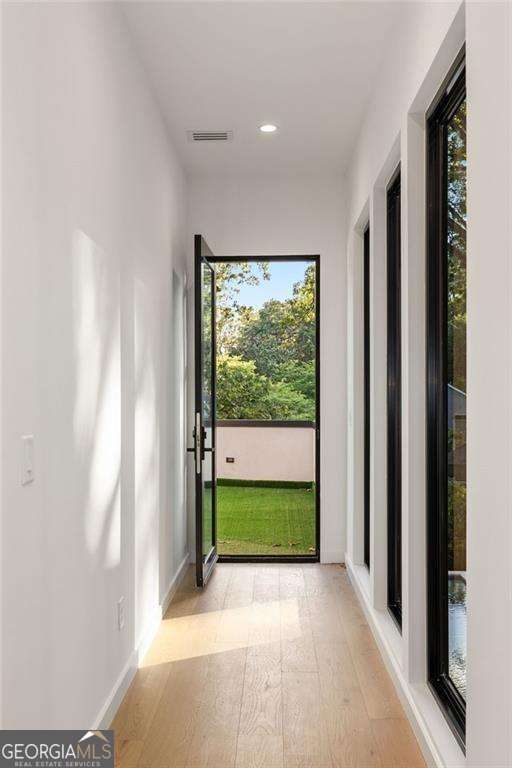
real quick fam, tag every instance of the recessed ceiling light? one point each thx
(268, 128)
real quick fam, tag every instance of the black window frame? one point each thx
(366, 394)
(394, 400)
(453, 705)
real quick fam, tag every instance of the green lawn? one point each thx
(265, 521)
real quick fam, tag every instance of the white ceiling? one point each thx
(308, 67)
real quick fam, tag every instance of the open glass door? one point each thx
(204, 424)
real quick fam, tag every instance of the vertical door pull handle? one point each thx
(197, 442)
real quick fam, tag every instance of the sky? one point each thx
(283, 275)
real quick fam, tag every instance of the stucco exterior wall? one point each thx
(266, 453)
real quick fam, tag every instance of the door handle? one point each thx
(197, 442)
(205, 450)
(196, 448)
(199, 448)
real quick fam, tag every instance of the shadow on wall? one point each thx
(147, 455)
(102, 516)
(97, 413)
(178, 449)
(94, 558)
(114, 537)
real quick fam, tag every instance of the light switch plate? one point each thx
(120, 613)
(27, 459)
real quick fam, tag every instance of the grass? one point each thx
(265, 521)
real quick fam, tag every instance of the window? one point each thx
(446, 399)
(366, 332)
(394, 407)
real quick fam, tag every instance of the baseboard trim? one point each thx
(116, 695)
(173, 586)
(154, 623)
(436, 741)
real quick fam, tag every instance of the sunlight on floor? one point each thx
(270, 666)
(217, 631)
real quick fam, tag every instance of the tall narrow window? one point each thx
(446, 400)
(366, 333)
(394, 407)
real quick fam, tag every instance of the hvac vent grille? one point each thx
(210, 135)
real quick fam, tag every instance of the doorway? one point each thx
(262, 491)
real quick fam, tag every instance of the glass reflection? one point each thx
(456, 395)
(206, 383)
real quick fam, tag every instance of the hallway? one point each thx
(272, 666)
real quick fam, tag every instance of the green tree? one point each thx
(243, 393)
(282, 331)
(266, 368)
(456, 237)
(286, 404)
(300, 376)
(265, 338)
(302, 310)
(231, 315)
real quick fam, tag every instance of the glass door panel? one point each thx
(204, 428)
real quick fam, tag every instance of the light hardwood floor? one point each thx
(271, 666)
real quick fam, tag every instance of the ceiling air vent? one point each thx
(210, 135)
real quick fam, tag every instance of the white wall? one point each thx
(402, 74)
(92, 213)
(299, 215)
(489, 419)
(394, 130)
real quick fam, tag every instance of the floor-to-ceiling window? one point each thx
(446, 398)
(366, 363)
(394, 408)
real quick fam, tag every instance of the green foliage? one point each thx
(286, 404)
(229, 277)
(243, 393)
(303, 316)
(265, 338)
(300, 376)
(456, 241)
(282, 331)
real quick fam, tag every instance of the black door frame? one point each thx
(204, 566)
(366, 395)
(315, 557)
(394, 398)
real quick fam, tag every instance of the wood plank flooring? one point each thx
(271, 666)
